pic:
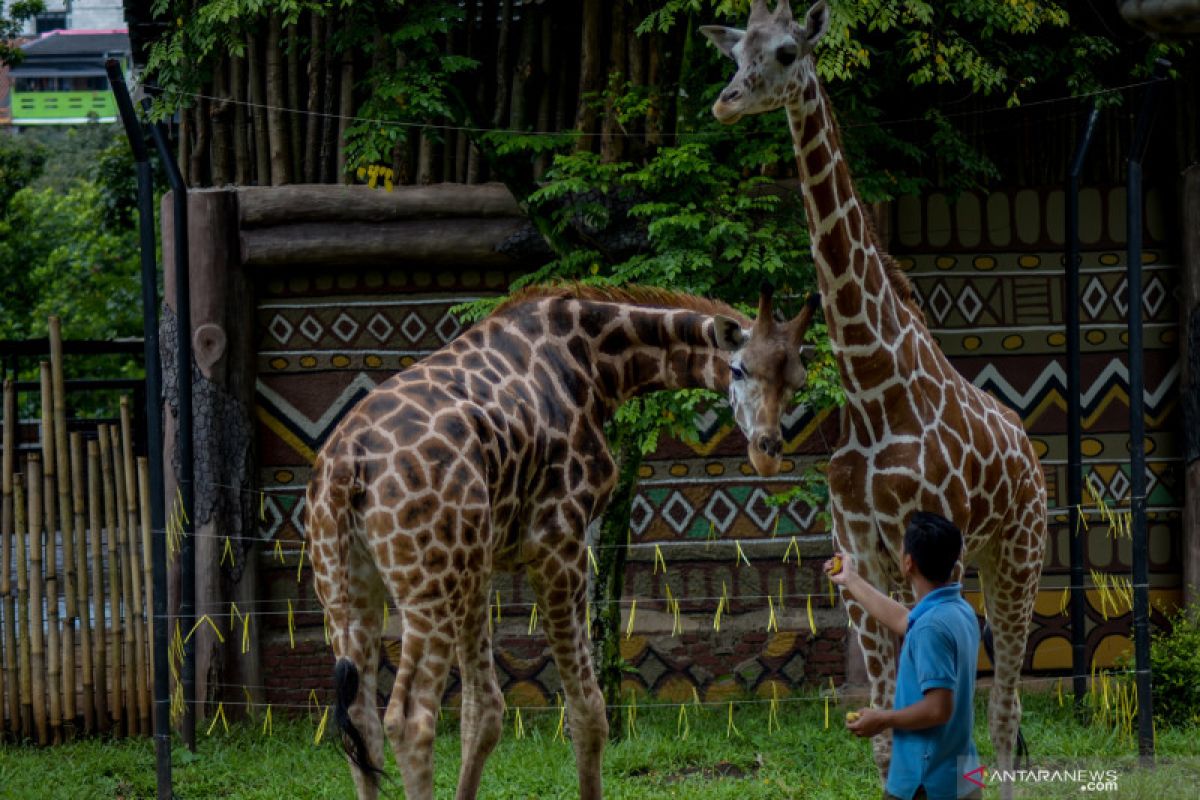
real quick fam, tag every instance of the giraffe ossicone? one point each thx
(491, 455)
(916, 435)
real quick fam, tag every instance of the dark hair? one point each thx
(934, 543)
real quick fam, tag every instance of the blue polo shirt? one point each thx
(939, 652)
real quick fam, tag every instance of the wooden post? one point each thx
(1191, 383)
(143, 473)
(116, 700)
(7, 527)
(81, 583)
(66, 520)
(100, 623)
(36, 630)
(25, 667)
(53, 654)
(130, 620)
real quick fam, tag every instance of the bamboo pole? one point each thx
(99, 647)
(65, 520)
(128, 617)
(12, 697)
(138, 622)
(116, 697)
(53, 653)
(81, 583)
(25, 673)
(37, 640)
(143, 472)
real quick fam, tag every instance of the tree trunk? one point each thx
(221, 111)
(184, 156)
(523, 70)
(425, 150)
(591, 76)
(654, 80)
(546, 86)
(608, 585)
(316, 70)
(503, 64)
(200, 148)
(241, 154)
(612, 138)
(262, 148)
(277, 129)
(329, 137)
(345, 110)
(295, 131)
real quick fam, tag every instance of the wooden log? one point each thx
(133, 526)
(116, 699)
(430, 243)
(24, 659)
(37, 589)
(99, 619)
(265, 206)
(1190, 278)
(53, 653)
(8, 633)
(81, 583)
(66, 520)
(129, 643)
(143, 473)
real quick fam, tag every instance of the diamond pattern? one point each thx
(720, 511)
(380, 327)
(281, 329)
(1118, 487)
(762, 513)
(1154, 295)
(344, 327)
(413, 327)
(678, 512)
(447, 327)
(969, 303)
(311, 328)
(640, 514)
(1094, 297)
(940, 302)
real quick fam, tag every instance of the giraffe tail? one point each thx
(989, 646)
(345, 679)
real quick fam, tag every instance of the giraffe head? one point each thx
(766, 369)
(773, 58)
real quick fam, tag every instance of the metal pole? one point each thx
(158, 549)
(183, 369)
(1074, 423)
(1137, 432)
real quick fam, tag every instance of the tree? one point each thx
(11, 27)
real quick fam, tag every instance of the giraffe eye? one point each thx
(786, 53)
(737, 372)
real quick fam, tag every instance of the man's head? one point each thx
(932, 546)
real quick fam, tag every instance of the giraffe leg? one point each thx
(878, 644)
(351, 591)
(561, 587)
(482, 702)
(412, 712)
(1010, 587)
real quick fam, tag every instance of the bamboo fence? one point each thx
(75, 602)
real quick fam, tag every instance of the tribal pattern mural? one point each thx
(324, 338)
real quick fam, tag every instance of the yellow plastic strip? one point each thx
(532, 618)
(827, 712)
(632, 614)
(246, 634)
(682, 728)
(291, 625)
(772, 622)
(279, 551)
(812, 623)
(731, 728)
(658, 559)
(220, 715)
(591, 560)
(227, 552)
(321, 727)
(300, 563)
(268, 727)
(518, 725)
(182, 510)
(788, 552)
(199, 622)
(741, 556)
(560, 731)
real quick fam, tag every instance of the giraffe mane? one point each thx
(635, 295)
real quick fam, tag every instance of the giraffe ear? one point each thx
(728, 334)
(724, 38)
(816, 22)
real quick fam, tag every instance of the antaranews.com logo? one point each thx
(1088, 780)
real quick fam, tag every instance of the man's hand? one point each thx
(869, 722)
(840, 569)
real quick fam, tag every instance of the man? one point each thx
(934, 716)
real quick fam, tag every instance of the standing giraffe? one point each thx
(916, 435)
(491, 455)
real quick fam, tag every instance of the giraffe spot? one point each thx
(616, 343)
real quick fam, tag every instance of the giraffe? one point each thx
(915, 434)
(490, 455)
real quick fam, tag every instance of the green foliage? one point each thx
(12, 22)
(1175, 667)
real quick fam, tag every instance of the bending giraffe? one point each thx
(490, 455)
(916, 435)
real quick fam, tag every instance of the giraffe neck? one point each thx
(867, 318)
(633, 350)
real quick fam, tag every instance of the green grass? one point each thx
(801, 760)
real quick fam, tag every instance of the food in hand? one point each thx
(852, 716)
(836, 566)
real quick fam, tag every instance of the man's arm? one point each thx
(883, 608)
(935, 708)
